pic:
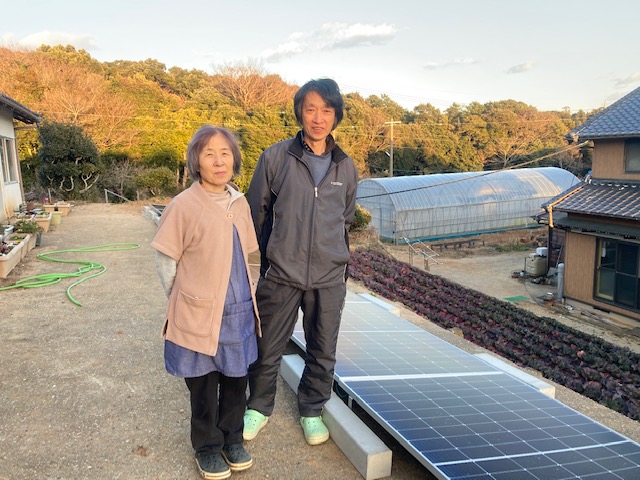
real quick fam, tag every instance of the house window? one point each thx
(632, 155)
(8, 160)
(3, 162)
(617, 276)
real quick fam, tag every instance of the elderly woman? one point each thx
(203, 241)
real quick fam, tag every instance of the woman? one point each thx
(203, 241)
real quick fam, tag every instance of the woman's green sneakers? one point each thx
(315, 431)
(253, 423)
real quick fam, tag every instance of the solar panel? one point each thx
(461, 417)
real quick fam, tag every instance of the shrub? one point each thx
(361, 219)
(26, 226)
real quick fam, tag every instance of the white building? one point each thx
(11, 191)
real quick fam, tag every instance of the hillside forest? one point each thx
(124, 125)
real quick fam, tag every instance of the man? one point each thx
(302, 198)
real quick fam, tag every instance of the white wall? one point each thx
(10, 193)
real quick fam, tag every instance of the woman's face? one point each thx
(216, 164)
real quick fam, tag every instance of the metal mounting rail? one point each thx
(428, 253)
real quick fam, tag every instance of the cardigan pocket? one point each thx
(194, 315)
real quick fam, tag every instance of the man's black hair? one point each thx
(329, 91)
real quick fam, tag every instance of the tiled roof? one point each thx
(604, 198)
(620, 119)
(589, 226)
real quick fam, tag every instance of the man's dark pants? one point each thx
(278, 305)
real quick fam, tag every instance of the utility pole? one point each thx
(391, 146)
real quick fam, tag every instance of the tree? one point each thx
(120, 174)
(84, 99)
(390, 109)
(155, 181)
(362, 132)
(512, 130)
(249, 87)
(149, 69)
(69, 55)
(257, 132)
(67, 86)
(428, 143)
(70, 161)
(507, 132)
(143, 113)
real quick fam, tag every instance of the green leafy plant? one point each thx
(26, 226)
(516, 246)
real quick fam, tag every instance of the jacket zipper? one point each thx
(313, 216)
(312, 232)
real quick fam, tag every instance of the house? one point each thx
(11, 191)
(600, 216)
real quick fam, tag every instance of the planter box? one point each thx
(30, 241)
(63, 208)
(27, 243)
(9, 261)
(44, 222)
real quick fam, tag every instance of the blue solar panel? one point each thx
(485, 420)
(461, 417)
(406, 353)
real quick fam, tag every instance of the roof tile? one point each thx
(620, 119)
(605, 198)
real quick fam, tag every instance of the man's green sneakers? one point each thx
(315, 431)
(253, 423)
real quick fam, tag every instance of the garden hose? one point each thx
(85, 267)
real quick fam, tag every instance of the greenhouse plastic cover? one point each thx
(446, 205)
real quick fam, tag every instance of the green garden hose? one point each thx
(85, 267)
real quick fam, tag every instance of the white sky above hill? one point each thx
(550, 54)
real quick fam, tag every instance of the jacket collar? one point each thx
(235, 192)
(202, 194)
(296, 148)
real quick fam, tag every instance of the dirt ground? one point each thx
(84, 393)
(83, 390)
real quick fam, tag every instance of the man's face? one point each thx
(317, 118)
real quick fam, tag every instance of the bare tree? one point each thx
(248, 86)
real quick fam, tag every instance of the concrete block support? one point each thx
(361, 446)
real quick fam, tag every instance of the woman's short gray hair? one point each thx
(200, 139)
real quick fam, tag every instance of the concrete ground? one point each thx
(83, 391)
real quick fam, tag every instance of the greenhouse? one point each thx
(447, 205)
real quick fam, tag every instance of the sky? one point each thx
(551, 54)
